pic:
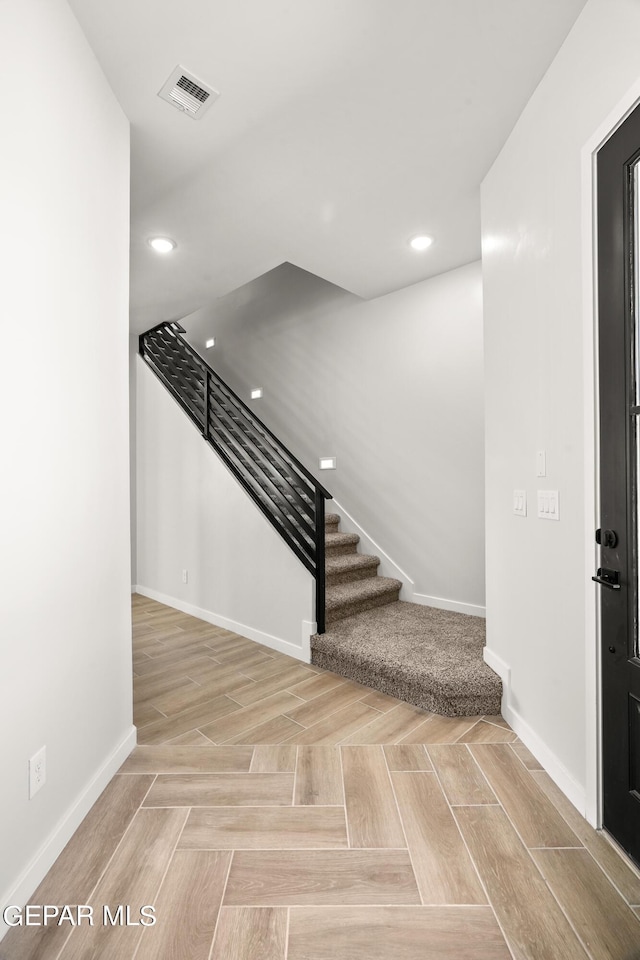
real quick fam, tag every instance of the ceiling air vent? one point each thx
(187, 93)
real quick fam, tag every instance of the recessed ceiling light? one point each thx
(210, 343)
(421, 242)
(256, 393)
(162, 244)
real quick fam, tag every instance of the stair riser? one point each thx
(410, 693)
(350, 576)
(342, 550)
(331, 528)
(359, 606)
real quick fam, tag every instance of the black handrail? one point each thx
(284, 490)
(177, 330)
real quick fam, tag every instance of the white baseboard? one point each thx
(498, 665)
(541, 750)
(457, 606)
(62, 833)
(302, 652)
(308, 630)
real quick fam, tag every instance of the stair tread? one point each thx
(342, 594)
(333, 539)
(332, 518)
(350, 561)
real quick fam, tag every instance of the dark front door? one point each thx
(618, 218)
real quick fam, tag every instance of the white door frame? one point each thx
(593, 700)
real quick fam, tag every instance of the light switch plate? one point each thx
(541, 463)
(520, 503)
(548, 505)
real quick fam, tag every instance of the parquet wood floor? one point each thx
(275, 811)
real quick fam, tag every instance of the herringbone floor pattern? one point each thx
(274, 811)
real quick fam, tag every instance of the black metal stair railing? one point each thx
(281, 487)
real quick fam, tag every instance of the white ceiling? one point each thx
(343, 128)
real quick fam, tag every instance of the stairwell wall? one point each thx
(65, 617)
(193, 515)
(393, 388)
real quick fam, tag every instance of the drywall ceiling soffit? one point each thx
(343, 128)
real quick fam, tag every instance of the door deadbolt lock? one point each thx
(607, 538)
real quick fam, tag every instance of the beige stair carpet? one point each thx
(429, 657)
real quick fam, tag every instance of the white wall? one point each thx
(65, 680)
(391, 387)
(540, 600)
(193, 515)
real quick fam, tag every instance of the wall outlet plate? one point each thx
(37, 771)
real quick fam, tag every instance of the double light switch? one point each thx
(520, 503)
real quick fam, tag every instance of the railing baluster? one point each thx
(207, 388)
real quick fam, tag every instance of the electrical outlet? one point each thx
(37, 771)
(185, 576)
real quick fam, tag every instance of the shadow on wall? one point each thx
(393, 388)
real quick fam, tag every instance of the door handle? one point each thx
(608, 578)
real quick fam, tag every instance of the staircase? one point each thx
(352, 581)
(426, 656)
(429, 657)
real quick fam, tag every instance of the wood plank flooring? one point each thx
(275, 811)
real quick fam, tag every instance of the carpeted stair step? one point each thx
(350, 567)
(347, 599)
(338, 544)
(431, 658)
(331, 522)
